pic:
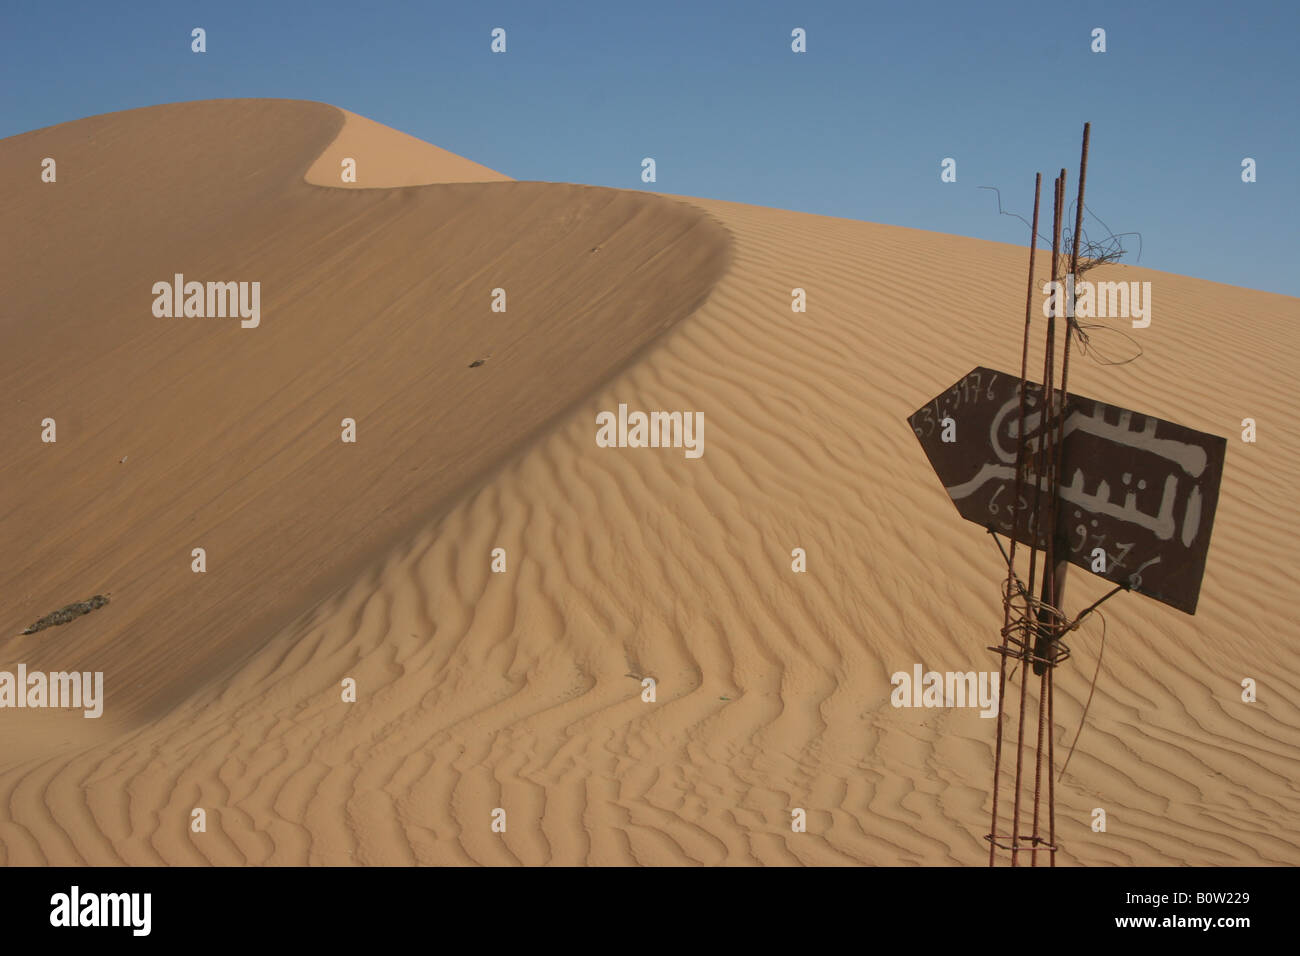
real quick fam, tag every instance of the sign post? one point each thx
(1124, 495)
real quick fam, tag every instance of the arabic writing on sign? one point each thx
(1136, 489)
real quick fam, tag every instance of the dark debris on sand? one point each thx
(67, 613)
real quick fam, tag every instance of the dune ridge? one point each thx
(387, 158)
(520, 690)
(184, 432)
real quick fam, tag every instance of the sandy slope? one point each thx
(519, 690)
(385, 158)
(374, 305)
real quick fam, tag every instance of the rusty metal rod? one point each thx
(1011, 559)
(1057, 594)
(1045, 458)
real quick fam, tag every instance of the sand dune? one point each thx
(520, 690)
(386, 158)
(374, 305)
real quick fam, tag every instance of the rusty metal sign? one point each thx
(1135, 491)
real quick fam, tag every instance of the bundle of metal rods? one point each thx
(1032, 628)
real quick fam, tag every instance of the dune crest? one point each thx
(184, 432)
(386, 158)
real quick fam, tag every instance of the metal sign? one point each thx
(1137, 494)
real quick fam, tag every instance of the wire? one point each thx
(1083, 719)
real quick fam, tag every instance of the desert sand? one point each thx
(521, 690)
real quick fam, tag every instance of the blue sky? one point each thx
(856, 127)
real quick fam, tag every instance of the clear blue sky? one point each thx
(856, 127)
